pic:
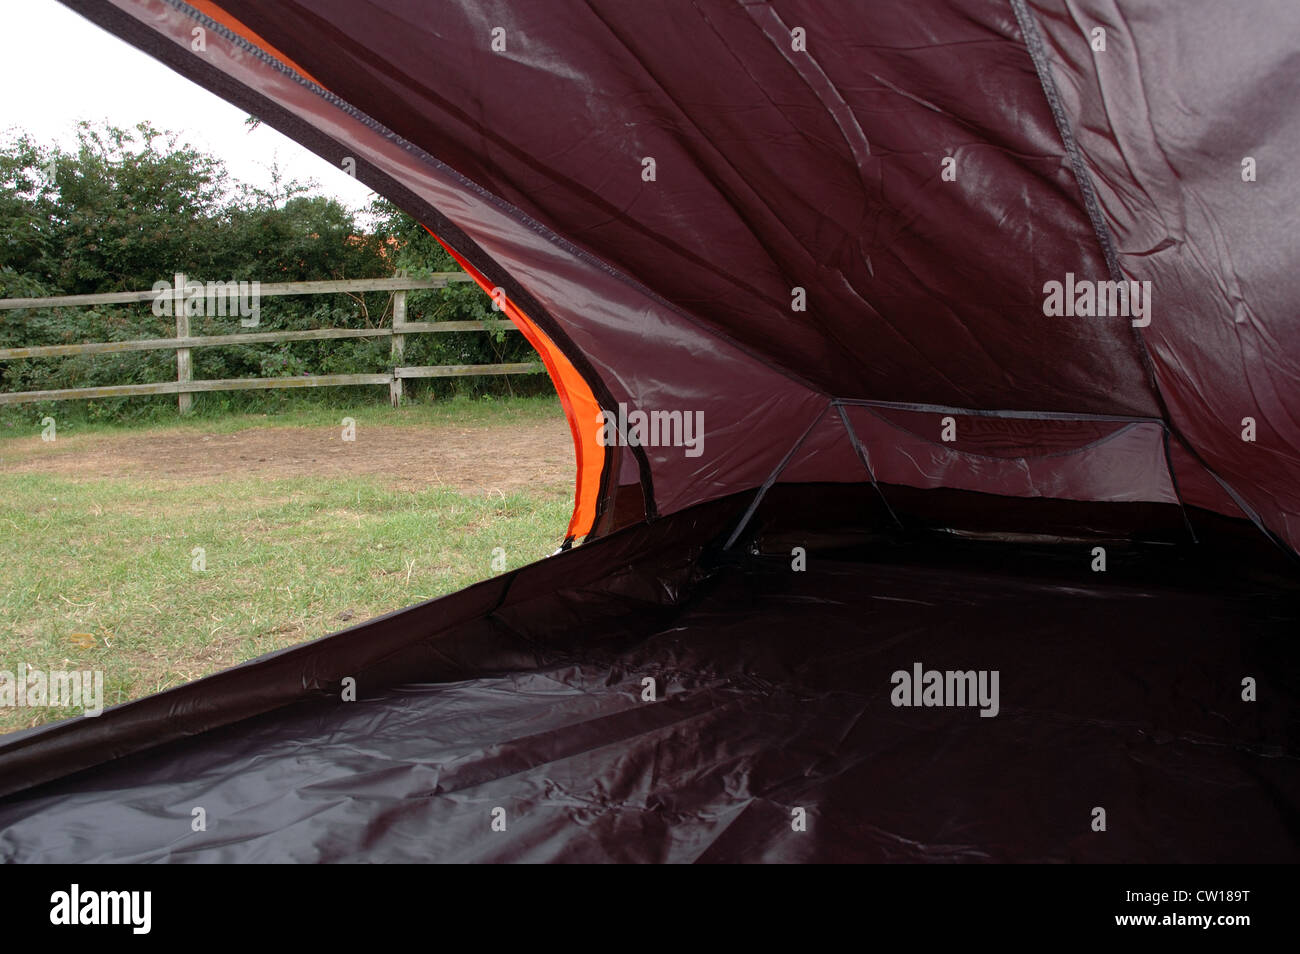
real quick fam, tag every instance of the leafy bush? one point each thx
(130, 207)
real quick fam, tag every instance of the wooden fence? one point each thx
(182, 344)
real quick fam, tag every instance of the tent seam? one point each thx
(865, 459)
(1037, 51)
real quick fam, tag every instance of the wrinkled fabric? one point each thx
(773, 694)
(815, 174)
(843, 250)
(1164, 120)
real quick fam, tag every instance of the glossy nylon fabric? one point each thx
(773, 695)
(1164, 120)
(633, 276)
(774, 170)
(821, 169)
(597, 315)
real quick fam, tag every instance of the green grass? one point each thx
(24, 420)
(285, 559)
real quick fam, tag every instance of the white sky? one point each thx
(57, 68)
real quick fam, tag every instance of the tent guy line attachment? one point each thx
(771, 478)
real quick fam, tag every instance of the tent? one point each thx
(932, 373)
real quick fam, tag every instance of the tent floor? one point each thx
(773, 694)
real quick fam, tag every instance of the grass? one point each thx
(283, 560)
(460, 411)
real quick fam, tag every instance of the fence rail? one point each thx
(267, 290)
(184, 385)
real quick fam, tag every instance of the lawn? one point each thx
(157, 578)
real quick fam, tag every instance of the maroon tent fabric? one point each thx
(831, 231)
(822, 169)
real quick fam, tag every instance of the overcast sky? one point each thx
(57, 68)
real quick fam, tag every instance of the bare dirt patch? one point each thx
(469, 459)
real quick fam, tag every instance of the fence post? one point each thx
(399, 347)
(183, 367)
